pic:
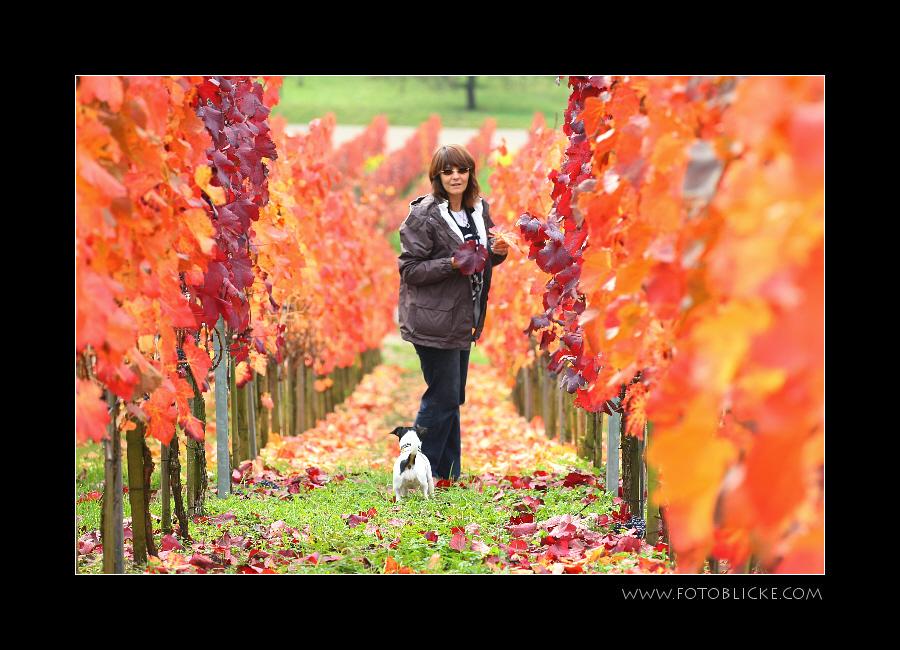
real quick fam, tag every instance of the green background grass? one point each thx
(410, 100)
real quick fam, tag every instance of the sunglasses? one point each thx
(449, 172)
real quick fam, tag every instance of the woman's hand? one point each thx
(499, 246)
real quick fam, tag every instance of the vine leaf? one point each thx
(471, 257)
(508, 235)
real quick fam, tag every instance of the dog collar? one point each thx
(409, 444)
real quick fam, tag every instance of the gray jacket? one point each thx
(436, 307)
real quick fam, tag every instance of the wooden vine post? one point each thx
(275, 393)
(289, 406)
(590, 445)
(140, 470)
(527, 406)
(240, 440)
(262, 419)
(632, 474)
(309, 392)
(250, 390)
(111, 516)
(300, 406)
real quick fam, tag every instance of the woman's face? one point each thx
(455, 185)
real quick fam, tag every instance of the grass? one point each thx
(317, 521)
(409, 101)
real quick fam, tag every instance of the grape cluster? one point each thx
(635, 522)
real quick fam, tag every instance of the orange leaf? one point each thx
(161, 411)
(511, 237)
(242, 374)
(91, 412)
(595, 114)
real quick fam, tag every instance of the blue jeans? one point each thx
(445, 374)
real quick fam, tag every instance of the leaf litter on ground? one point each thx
(322, 502)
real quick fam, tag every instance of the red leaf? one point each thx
(553, 257)
(471, 257)
(522, 530)
(574, 478)
(199, 361)
(193, 428)
(225, 516)
(201, 561)
(354, 520)
(90, 496)
(626, 544)
(459, 542)
(431, 536)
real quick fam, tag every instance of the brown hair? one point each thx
(453, 155)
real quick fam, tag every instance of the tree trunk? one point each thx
(197, 480)
(165, 489)
(470, 93)
(148, 482)
(111, 516)
(177, 496)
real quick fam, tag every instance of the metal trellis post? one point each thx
(223, 458)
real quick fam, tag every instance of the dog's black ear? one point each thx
(397, 432)
(421, 431)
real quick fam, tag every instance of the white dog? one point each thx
(412, 469)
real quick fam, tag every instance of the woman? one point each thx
(442, 310)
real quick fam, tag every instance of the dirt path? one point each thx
(495, 437)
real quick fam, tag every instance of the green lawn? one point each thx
(409, 101)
